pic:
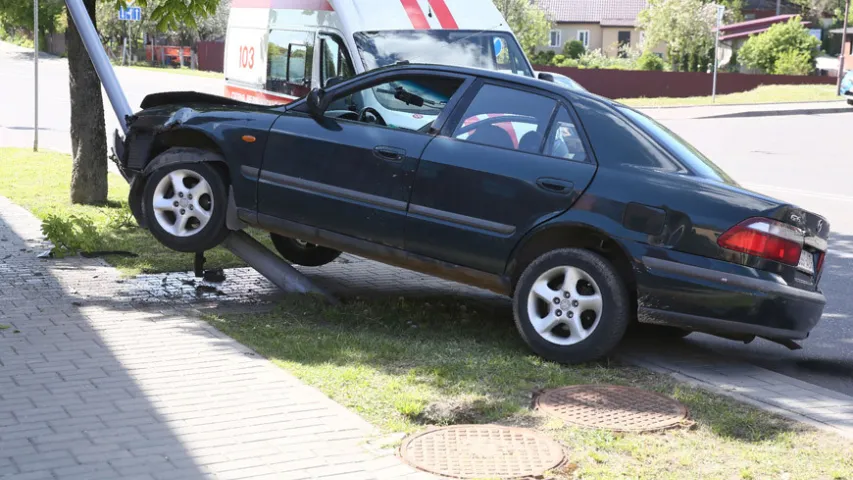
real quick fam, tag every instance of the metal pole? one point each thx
(36, 70)
(100, 60)
(843, 46)
(268, 264)
(778, 7)
(720, 11)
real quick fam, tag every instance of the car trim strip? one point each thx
(732, 280)
(308, 186)
(465, 220)
(250, 173)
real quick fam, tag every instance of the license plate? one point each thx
(806, 262)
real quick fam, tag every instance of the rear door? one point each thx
(507, 161)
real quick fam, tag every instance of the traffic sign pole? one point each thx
(36, 71)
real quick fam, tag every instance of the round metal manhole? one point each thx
(611, 407)
(482, 451)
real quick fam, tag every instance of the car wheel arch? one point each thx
(172, 155)
(572, 235)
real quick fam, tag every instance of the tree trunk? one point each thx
(88, 133)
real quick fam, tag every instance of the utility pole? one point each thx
(36, 67)
(778, 7)
(720, 11)
(843, 46)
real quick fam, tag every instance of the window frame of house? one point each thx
(580, 35)
(559, 39)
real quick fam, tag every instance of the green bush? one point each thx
(650, 61)
(793, 62)
(70, 235)
(543, 57)
(574, 49)
(762, 51)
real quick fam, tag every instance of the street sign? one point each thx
(130, 14)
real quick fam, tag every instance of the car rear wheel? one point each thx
(571, 306)
(185, 206)
(303, 253)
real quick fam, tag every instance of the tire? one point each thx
(302, 253)
(602, 325)
(850, 101)
(648, 330)
(188, 231)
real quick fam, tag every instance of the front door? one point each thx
(351, 172)
(514, 160)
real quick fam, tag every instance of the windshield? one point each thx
(691, 158)
(488, 50)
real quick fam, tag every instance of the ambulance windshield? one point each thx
(478, 49)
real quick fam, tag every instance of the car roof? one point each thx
(492, 75)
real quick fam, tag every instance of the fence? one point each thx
(211, 56)
(637, 83)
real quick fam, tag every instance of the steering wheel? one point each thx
(362, 116)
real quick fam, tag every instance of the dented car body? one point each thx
(589, 214)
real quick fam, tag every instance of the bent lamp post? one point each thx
(276, 270)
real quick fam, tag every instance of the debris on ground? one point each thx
(5, 327)
(214, 276)
(202, 289)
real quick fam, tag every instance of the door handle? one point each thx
(390, 154)
(555, 185)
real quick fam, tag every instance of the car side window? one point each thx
(411, 102)
(564, 140)
(289, 60)
(335, 60)
(506, 118)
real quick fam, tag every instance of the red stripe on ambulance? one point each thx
(323, 5)
(416, 15)
(445, 17)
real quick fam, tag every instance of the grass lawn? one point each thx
(179, 71)
(763, 94)
(407, 363)
(40, 182)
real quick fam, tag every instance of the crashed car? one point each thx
(589, 214)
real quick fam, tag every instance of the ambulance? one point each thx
(278, 50)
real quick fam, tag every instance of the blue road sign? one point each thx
(130, 14)
(499, 46)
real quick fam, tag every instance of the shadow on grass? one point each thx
(446, 361)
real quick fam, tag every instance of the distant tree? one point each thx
(529, 23)
(685, 26)
(574, 49)
(19, 14)
(764, 50)
(88, 133)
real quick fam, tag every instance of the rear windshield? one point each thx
(687, 154)
(489, 50)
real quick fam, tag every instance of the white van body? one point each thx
(278, 50)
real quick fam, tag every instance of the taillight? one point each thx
(765, 238)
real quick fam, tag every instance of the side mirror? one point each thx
(317, 102)
(333, 81)
(546, 76)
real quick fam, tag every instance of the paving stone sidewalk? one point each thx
(95, 387)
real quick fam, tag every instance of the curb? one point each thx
(779, 113)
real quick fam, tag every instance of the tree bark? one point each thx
(88, 132)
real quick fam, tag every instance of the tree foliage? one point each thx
(764, 50)
(686, 26)
(19, 13)
(793, 62)
(650, 61)
(574, 49)
(529, 23)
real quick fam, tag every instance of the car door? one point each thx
(512, 160)
(351, 172)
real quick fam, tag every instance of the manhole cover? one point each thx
(482, 451)
(622, 409)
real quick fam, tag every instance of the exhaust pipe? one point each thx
(100, 60)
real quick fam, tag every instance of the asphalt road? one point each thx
(802, 159)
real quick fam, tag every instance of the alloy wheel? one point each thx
(183, 203)
(565, 305)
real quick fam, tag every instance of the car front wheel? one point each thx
(571, 306)
(185, 206)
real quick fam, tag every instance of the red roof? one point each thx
(752, 27)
